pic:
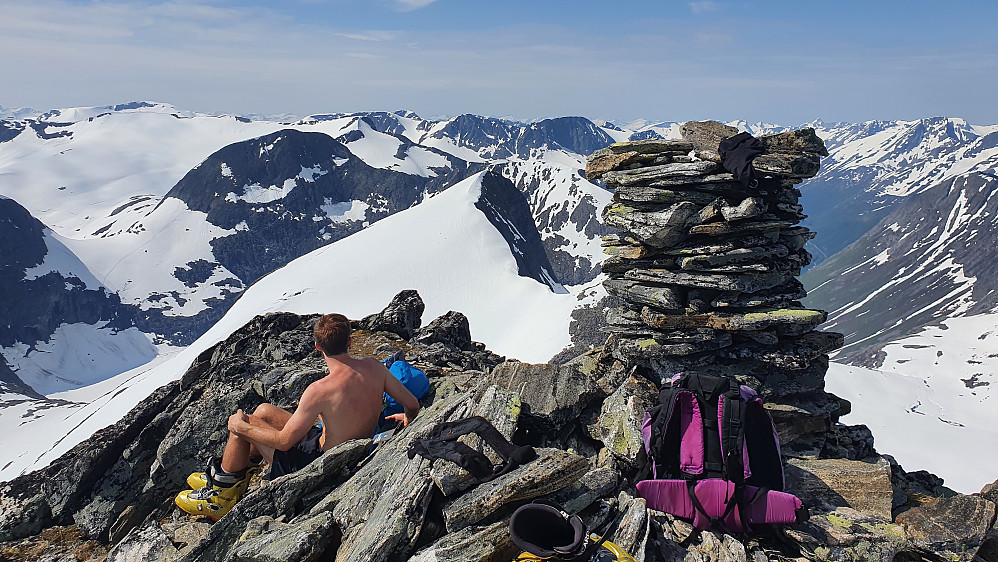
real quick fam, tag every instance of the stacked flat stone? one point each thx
(708, 270)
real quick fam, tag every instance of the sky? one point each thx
(780, 62)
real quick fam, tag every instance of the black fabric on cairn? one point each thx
(737, 153)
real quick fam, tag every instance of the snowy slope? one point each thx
(72, 183)
(445, 248)
(922, 411)
(62, 329)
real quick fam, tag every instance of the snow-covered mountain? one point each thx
(916, 299)
(178, 213)
(933, 257)
(451, 251)
(872, 167)
(63, 329)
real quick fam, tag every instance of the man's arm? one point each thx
(296, 428)
(401, 394)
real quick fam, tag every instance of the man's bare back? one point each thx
(350, 398)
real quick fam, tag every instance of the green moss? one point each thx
(645, 344)
(618, 210)
(839, 522)
(590, 365)
(515, 406)
(778, 313)
(822, 553)
(885, 529)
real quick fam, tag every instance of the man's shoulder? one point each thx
(375, 369)
(368, 364)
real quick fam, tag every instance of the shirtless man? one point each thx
(348, 402)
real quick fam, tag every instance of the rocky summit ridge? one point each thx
(113, 494)
(706, 271)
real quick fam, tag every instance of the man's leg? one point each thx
(238, 450)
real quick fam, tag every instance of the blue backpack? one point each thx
(412, 378)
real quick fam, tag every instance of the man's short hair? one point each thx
(332, 333)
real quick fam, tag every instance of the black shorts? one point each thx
(297, 457)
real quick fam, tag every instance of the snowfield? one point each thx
(922, 410)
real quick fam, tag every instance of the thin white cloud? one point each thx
(368, 35)
(410, 5)
(703, 7)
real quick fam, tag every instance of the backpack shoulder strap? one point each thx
(660, 418)
(733, 434)
(443, 443)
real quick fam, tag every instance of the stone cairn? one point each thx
(707, 270)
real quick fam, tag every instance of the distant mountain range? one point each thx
(132, 230)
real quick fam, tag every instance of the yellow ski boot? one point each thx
(198, 480)
(212, 498)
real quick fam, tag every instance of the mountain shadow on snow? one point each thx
(508, 211)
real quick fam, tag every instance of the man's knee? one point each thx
(271, 413)
(265, 409)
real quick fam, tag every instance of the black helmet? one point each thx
(548, 532)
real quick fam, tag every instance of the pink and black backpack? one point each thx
(715, 457)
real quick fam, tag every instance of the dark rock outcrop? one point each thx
(401, 317)
(507, 210)
(34, 306)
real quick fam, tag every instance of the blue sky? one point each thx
(772, 61)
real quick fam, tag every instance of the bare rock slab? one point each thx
(621, 416)
(951, 527)
(665, 298)
(595, 484)
(552, 395)
(553, 470)
(658, 228)
(862, 485)
(632, 534)
(303, 541)
(144, 544)
(491, 543)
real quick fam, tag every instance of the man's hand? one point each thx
(238, 421)
(399, 418)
